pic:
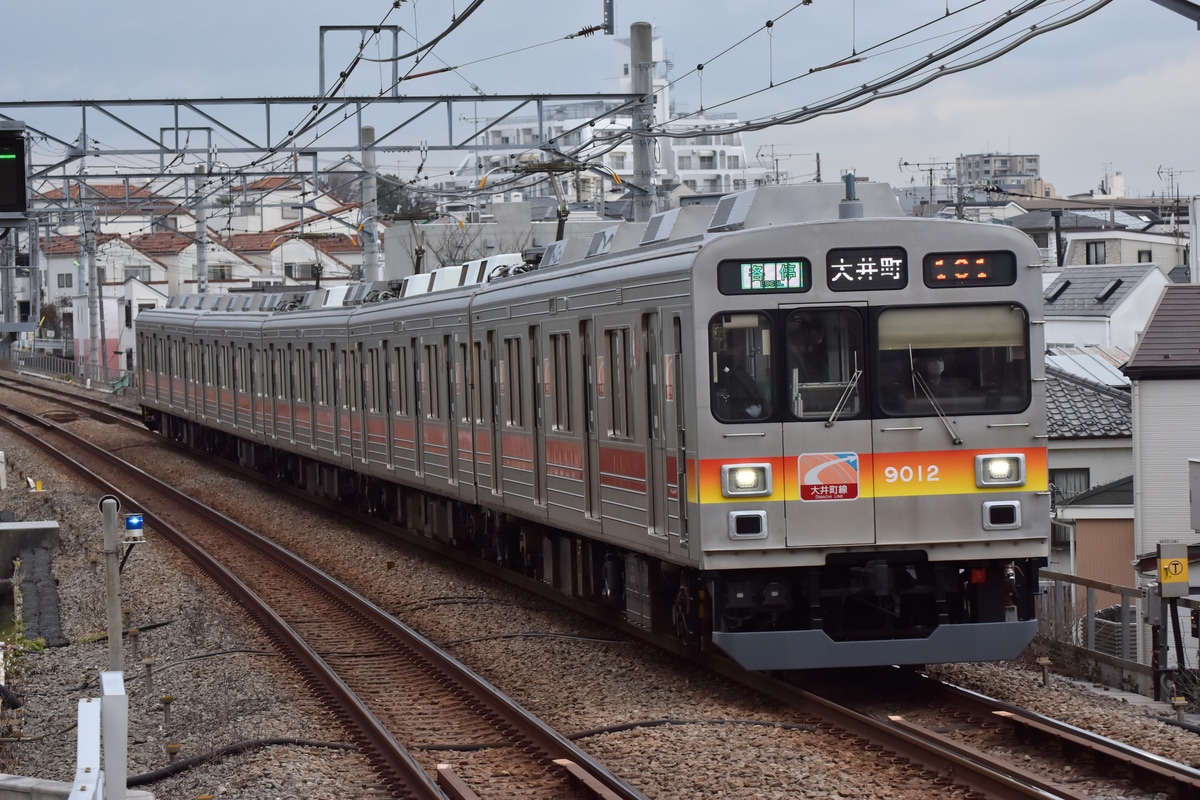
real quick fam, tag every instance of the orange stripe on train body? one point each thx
(908, 474)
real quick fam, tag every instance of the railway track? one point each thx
(1040, 754)
(400, 698)
(973, 750)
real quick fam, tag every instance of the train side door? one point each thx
(452, 381)
(827, 442)
(673, 434)
(420, 382)
(462, 443)
(388, 391)
(623, 428)
(656, 466)
(366, 374)
(591, 443)
(487, 415)
(537, 395)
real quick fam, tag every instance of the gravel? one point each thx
(671, 729)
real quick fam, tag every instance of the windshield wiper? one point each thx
(841, 403)
(919, 381)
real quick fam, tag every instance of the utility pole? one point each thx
(928, 168)
(201, 240)
(772, 163)
(642, 66)
(93, 290)
(370, 209)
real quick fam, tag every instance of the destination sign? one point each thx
(864, 269)
(753, 277)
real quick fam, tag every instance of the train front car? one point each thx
(869, 471)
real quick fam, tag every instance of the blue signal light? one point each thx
(134, 522)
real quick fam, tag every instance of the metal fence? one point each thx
(68, 370)
(1126, 645)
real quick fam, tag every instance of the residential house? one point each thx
(1103, 236)
(1101, 305)
(1165, 371)
(126, 208)
(1090, 426)
(1097, 529)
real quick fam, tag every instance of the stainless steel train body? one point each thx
(804, 429)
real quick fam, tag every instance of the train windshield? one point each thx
(825, 359)
(927, 360)
(960, 359)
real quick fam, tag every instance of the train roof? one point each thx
(763, 206)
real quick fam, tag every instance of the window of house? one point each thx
(1066, 483)
(734, 162)
(216, 272)
(685, 162)
(65, 280)
(296, 271)
(1145, 257)
(708, 162)
(1095, 253)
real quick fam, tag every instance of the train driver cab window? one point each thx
(953, 360)
(824, 363)
(740, 366)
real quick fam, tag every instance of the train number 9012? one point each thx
(922, 473)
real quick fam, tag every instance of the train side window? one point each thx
(560, 347)
(336, 365)
(477, 382)
(374, 384)
(433, 407)
(400, 376)
(279, 387)
(320, 377)
(740, 366)
(511, 381)
(620, 362)
(352, 368)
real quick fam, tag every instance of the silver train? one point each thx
(796, 426)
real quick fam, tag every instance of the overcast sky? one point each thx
(1118, 91)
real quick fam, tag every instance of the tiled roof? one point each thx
(1170, 345)
(1093, 290)
(339, 244)
(68, 245)
(1078, 408)
(276, 182)
(250, 242)
(109, 197)
(160, 243)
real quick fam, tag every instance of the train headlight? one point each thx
(1000, 470)
(746, 480)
